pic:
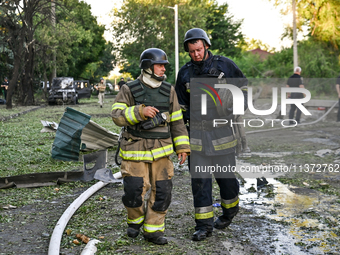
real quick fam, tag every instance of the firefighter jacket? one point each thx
(153, 144)
(204, 138)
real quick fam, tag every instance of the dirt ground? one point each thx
(296, 215)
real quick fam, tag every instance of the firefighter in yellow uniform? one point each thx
(148, 109)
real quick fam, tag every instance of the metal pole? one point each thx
(54, 54)
(295, 51)
(176, 42)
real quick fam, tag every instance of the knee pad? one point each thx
(133, 189)
(163, 195)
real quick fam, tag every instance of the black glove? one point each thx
(156, 121)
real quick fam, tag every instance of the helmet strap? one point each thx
(154, 76)
(148, 80)
(205, 50)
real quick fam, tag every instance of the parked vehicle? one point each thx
(62, 91)
(83, 88)
(65, 90)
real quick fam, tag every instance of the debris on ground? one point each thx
(7, 207)
(77, 132)
(322, 153)
(48, 126)
(83, 238)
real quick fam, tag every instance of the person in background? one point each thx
(121, 83)
(4, 87)
(101, 87)
(148, 109)
(295, 81)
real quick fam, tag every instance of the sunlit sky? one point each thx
(261, 20)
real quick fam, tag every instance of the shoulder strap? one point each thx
(165, 88)
(136, 88)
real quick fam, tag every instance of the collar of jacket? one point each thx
(202, 67)
(150, 82)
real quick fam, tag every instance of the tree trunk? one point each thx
(13, 82)
(29, 69)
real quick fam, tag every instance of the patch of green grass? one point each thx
(20, 197)
(24, 149)
(298, 179)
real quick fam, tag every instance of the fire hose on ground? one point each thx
(54, 248)
(303, 124)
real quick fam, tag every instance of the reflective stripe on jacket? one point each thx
(213, 141)
(125, 112)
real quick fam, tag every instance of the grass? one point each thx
(24, 149)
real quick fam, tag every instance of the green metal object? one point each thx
(67, 141)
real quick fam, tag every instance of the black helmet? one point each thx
(195, 33)
(152, 56)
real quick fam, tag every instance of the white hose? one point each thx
(90, 248)
(54, 247)
(303, 124)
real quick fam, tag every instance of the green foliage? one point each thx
(145, 24)
(225, 33)
(321, 18)
(86, 44)
(95, 70)
(251, 65)
(318, 59)
(254, 44)
(281, 63)
(76, 40)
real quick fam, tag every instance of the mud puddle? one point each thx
(300, 220)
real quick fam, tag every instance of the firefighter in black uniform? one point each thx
(295, 81)
(209, 145)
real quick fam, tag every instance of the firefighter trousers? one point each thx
(201, 169)
(139, 178)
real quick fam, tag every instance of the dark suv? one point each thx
(65, 90)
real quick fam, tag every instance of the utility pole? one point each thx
(295, 51)
(54, 54)
(176, 40)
